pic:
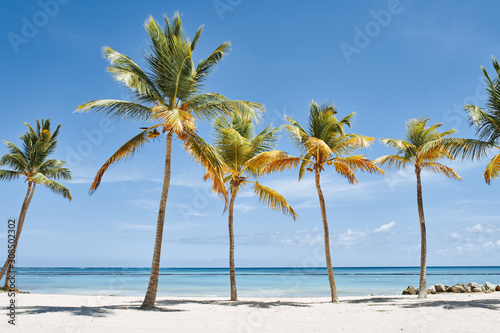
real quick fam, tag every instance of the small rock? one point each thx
(410, 291)
(476, 285)
(489, 286)
(457, 289)
(476, 290)
(440, 288)
(431, 290)
(497, 288)
(447, 288)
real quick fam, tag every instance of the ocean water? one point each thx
(251, 282)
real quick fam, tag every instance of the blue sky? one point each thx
(411, 59)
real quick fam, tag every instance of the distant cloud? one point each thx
(137, 227)
(385, 227)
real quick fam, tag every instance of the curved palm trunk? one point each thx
(232, 271)
(24, 209)
(150, 297)
(331, 278)
(422, 289)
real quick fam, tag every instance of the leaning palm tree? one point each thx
(168, 96)
(32, 163)
(325, 143)
(241, 156)
(422, 149)
(487, 123)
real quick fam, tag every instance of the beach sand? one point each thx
(75, 313)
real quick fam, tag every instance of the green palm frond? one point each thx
(127, 150)
(206, 67)
(9, 175)
(273, 199)
(117, 109)
(125, 70)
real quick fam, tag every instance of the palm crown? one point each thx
(168, 93)
(32, 161)
(487, 123)
(422, 148)
(325, 142)
(241, 154)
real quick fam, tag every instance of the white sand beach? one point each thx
(438, 313)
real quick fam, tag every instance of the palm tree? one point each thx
(423, 148)
(241, 155)
(32, 163)
(325, 143)
(167, 95)
(487, 123)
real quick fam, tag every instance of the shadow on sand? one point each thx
(90, 311)
(487, 303)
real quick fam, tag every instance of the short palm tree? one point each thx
(325, 143)
(241, 155)
(168, 96)
(32, 163)
(422, 149)
(487, 123)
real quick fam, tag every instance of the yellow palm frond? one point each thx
(127, 150)
(443, 169)
(352, 142)
(273, 199)
(343, 169)
(492, 169)
(207, 156)
(318, 148)
(285, 163)
(257, 163)
(360, 162)
(392, 161)
(175, 120)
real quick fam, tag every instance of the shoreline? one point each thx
(391, 313)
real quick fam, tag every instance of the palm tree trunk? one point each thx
(20, 222)
(331, 278)
(232, 272)
(422, 289)
(150, 297)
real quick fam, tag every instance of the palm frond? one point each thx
(127, 150)
(117, 109)
(256, 164)
(285, 163)
(273, 199)
(442, 169)
(9, 175)
(492, 169)
(207, 156)
(361, 163)
(395, 161)
(344, 170)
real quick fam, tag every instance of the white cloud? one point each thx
(385, 227)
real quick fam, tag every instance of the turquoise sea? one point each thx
(251, 282)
